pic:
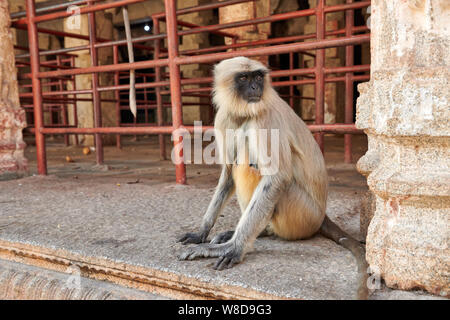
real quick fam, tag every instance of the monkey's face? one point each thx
(249, 85)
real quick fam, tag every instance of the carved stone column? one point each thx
(12, 117)
(405, 112)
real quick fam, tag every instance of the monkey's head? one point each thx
(240, 86)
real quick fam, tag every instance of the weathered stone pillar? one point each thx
(12, 117)
(405, 112)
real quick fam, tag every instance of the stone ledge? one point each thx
(150, 280)
(23, 282)
(123, 234)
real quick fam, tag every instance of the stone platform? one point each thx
(124, 233)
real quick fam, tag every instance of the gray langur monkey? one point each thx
(289, 203)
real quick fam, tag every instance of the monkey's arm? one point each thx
(224, 190)
(255, 218)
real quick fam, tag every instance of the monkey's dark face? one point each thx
(250, 85)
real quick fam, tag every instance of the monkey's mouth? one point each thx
(254, 99)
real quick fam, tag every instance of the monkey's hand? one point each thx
(228, 253)
(193, 237)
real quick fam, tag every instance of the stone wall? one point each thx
(12, 117)
(405, 112)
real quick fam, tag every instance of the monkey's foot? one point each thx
(223, 237)
(193, 237)
(228, 254)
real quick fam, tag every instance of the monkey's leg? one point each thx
(223, 237)
(224, 190)
(227, 235)
(256, 217)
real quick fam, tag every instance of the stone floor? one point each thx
(120, 225)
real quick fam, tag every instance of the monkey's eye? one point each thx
(243, 78)
(258, 77)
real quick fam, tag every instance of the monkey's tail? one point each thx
(330, 230)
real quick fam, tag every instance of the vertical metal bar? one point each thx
(291, 78)
(349, 60)
(117, 94)
(75, 110)
(159, 105)
(233, 42)
(95, 93)
(175, 86)
(320, 78)
(144, 79)
(64, 105)
(37, 89)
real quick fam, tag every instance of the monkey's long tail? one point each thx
(330, 230)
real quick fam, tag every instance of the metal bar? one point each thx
(53, 7)
(278, 49)
(207, 58)
(117, 95)
(64, 109)
(55, 51)
(349, 60)
(33, 43)
(202, 7)
(320, 77)
(291, 78)
(145, 101)
(75, 110)
(242, 23)
(347, 6)
(95, 93)
(192, 25)
(317, 75)
(270, 41)
(331, 128)
(159, 103)
(88, 9)
(175, 87)
(106, 68)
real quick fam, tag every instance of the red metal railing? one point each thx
(172, 83)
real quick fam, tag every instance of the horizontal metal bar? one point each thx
(331, 128)
(242, 23)
(106, 68)
(202, 7)
(346, 6)
(58, 6)
(278, 49)
(64, 14)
